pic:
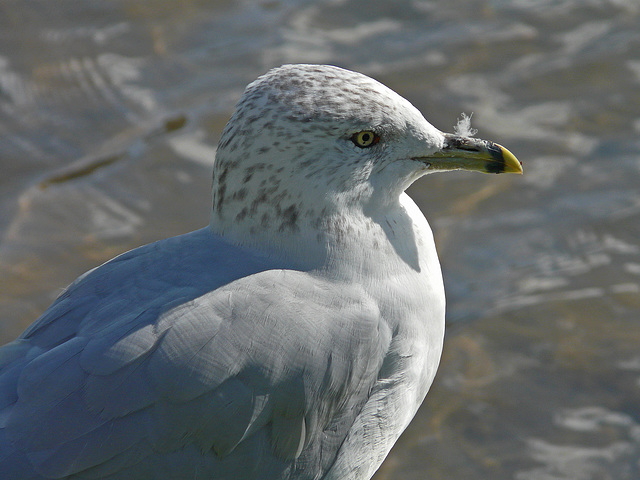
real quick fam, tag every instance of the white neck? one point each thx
(345, 241)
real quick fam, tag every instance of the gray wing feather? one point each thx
(230, 368)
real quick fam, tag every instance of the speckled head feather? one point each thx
(286, 153)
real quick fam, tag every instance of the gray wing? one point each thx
(260, 376)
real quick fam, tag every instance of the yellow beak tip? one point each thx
(511, 163)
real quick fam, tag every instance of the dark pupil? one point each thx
(365, 138)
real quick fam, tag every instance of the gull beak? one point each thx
(465, 153)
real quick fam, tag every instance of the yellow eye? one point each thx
(365, 139)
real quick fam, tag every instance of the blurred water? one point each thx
(109, 116)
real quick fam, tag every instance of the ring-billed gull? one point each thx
(293, 338)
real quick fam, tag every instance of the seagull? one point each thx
(294, 337)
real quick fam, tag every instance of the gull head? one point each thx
(308, 141)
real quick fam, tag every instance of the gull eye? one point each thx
(365, 139)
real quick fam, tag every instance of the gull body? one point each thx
(294, 337)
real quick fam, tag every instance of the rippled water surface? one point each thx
(109, 117)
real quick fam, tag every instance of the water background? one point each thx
(109, 117)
